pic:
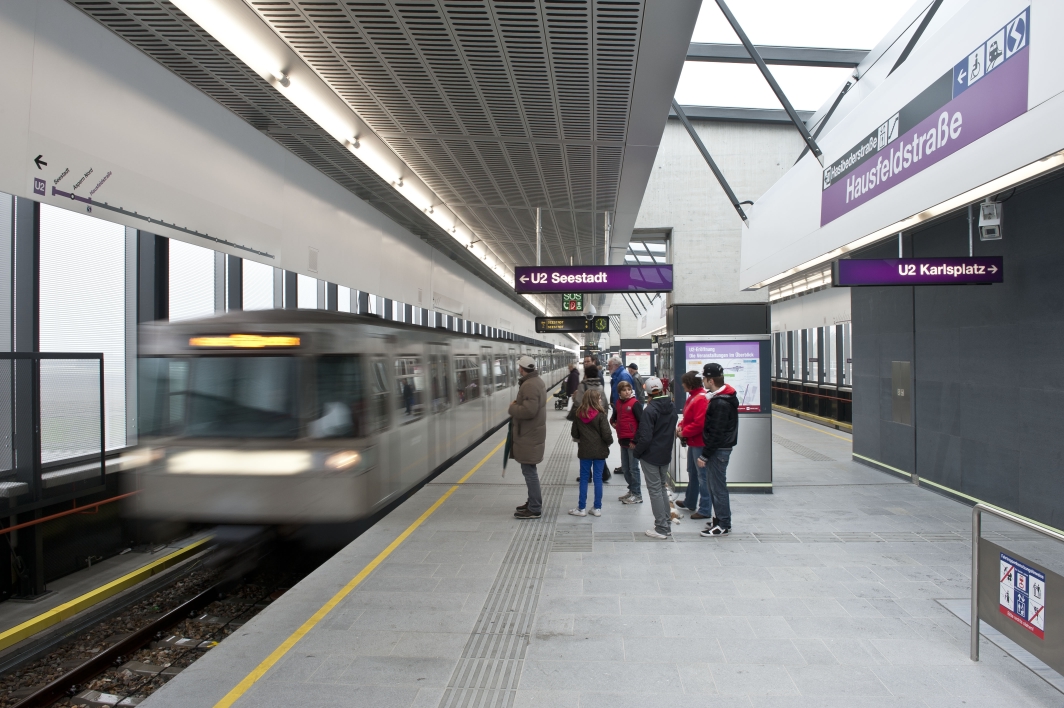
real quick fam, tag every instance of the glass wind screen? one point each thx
(257, 286)
(82, 309)
(307, 292)
(191, 281)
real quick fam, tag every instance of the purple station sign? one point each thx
(593, 279)
(981, 270)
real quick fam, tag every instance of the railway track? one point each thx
(128, 655)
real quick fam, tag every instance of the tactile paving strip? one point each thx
(806, 452)
(489, 671)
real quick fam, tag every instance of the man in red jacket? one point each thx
(690, 431)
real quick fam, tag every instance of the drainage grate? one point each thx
(806, 452)
(489, 671)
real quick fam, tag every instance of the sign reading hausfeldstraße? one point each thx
(572, 324)
(979, 270)
(573, 302)
(593, 279)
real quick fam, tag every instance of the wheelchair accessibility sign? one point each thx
(1022, 595)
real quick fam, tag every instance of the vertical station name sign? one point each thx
(980, 270)
(981, 93)
(593, 279)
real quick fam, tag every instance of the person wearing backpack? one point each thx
(592, 434)
(592, 382)
(625, 420)
(653, 448)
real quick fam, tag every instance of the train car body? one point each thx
(301, 417)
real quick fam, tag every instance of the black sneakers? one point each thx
(523, 507)
(526, 514)
(717, 530)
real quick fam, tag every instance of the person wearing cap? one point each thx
(640, 393)
(719, 435)
(653, 448)
(529, 413)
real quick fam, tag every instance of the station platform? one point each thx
(830, 592)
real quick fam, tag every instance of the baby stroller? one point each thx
(561, 400)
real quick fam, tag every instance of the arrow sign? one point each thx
(961, 76)
(594, 279)
(981, 270)
(39, 162)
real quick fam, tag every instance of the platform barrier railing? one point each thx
(977, 530)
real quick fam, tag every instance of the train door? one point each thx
(442, 429)
(487, 378)
(379, 412)
(514, 374)
(411, 422)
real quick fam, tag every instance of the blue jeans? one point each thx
(630, 469)
(717, 469)
(587, 468)
(697, 484)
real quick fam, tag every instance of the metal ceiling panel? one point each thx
(499, 106)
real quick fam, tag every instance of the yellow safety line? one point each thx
(241, 688)
(803, 425)
(68, 609)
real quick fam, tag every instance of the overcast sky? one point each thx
(847, 24)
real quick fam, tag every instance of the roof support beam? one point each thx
(813, 147)
(916, 35)
(709, 160)
(784, 56)
(741, 115)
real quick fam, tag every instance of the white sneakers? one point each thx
(577, 512)
(596, 512)
(653, 533)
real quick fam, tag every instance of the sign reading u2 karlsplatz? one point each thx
(593, 279)
(980, 270)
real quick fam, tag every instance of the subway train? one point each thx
(297, 417)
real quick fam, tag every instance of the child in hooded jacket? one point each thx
(592, 433)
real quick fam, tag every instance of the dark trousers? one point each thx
(535, 496)
(696, 483)
(717, 471)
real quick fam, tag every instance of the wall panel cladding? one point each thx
(987, 363)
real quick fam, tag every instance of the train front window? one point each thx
(243, 397)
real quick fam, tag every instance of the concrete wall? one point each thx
(683, 195)
(988, 381)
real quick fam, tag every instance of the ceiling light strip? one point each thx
(243, 33)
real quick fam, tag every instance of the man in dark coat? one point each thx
(719, 436)
(573, 381)
(529, 413)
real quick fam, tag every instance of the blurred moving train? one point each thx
(280, 417)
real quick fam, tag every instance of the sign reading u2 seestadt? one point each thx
(593, 279)
(572, 324)
(980, 270)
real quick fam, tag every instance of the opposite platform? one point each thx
(826, 595)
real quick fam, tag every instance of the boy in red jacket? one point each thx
(625, 420)
(690, 432)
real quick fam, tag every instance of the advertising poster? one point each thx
(742, 368)
(640, 359)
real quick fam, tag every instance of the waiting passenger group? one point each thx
(643, 416)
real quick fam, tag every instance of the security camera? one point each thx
(990, 216)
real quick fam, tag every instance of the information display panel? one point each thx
(593, 279)
(572, 324)
(741, 362)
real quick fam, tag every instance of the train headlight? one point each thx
(140, 457)
(343, 460)
(249, 462)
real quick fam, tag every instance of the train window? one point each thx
(378, 403)
(162, 388)
(466, 378)
(486, 374)
(409, 389)
(441, 384)
(500, 373)
(513, 368)
(339, 400)
(243, 397)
